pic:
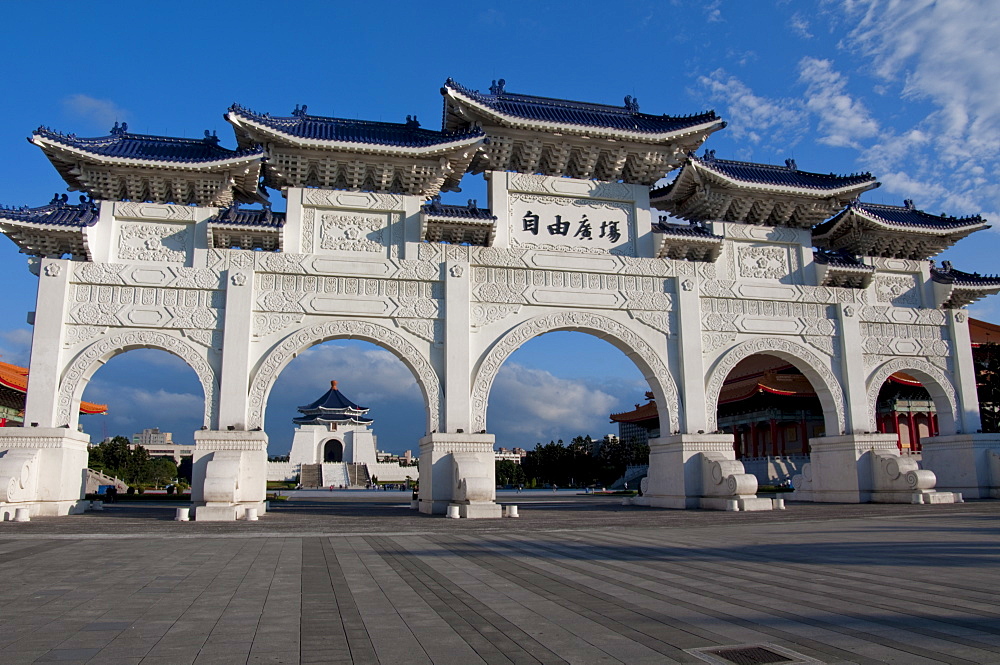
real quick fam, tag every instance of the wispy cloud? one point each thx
(93, 112)
(15, 346)
(799, 25)
(843, 119)
(753, 117)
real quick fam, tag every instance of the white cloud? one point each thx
(364, 374)
(753, 117)
(942, 53)
(843, 119)
(530, 405)
(15, 346)
(100, 113)
(712, 11)
(799, 25)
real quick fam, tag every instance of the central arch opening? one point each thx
(333, 451)
(550, 408)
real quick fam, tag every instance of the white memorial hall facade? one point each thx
(730, 260)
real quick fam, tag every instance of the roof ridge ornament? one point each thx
(631, 104)
(709, 156)
(119, 130)
(791, 165)
(908, 204)
(497, 88)
(300, 112)
(412, 122)
(212, 137)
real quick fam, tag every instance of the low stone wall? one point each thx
(282, 470)
(392, 472)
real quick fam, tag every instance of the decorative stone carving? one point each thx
(763, 262)
(82, 334)
(713, 341)
(239, 279)
(484, 314)
(897, 290)
(659, 321)
(941, 384)
(830, 392)
(153, 242)
(272, 363)
(357, 200)
(210, 338)
(265, 324)
(52, 269)
(823, 344)
(309, 230)
(154, 211)
(883, 314)
(98, 273)
(356, 233)
(960, 317)
(426, 329)
(661, 381)
(456, 271)
(86, 362)
(687, 285)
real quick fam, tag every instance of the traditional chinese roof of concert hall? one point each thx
(121, 145)
(948, 275)
(562, 111)
(342, 130)
(15, 378)
(57, 212)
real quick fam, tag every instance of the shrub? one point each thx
(170, 489)
(141, 489)
(130, 491)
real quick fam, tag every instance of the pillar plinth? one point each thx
(965, 463)
(458, 469)
(230, 474)
(42, 470)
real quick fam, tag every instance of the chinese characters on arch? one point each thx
(571, 224)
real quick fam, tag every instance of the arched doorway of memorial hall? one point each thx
(772, 410)
(548, 408)
(905, 408)
(345, 414)
(155, 400)
(333, 451)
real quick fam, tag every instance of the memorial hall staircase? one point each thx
(311, 476)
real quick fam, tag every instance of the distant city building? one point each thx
(153, 437)
(515, 455)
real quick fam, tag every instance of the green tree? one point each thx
(160, 471)
(509, 473)
(986, 359)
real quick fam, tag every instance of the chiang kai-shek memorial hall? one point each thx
(730, 260)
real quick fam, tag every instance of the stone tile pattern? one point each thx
(848, 585)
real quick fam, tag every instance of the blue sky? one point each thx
(907, 90)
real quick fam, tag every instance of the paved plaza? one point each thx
(357, 577)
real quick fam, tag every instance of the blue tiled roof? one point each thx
(58, 212)
(905, 215)
(770, 174)
(259, 217)
(149, 148)
(840, 258)
(948, 275)
(470, 211)
(332, 400)
(686, 230)
(566, 112)
(302, 125)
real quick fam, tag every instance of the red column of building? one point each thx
(774, 437)
(914, 439)
(899, 437)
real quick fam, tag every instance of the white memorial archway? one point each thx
(729, 260)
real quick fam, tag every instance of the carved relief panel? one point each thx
(163, 242)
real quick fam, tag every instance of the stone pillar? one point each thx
(458, 469)
(689, 352)
(698, 471)
(230, 474)
(965, 373)
(457, 349)
(46, 365)
(962, 463)
(42, 469)
(852, 368)
(235, 375)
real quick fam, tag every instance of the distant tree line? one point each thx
(582, 462)
(115, 457)
(986, 358)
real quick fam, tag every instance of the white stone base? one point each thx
(44, 508)
(964, 463)
(480, 510)
(44, 470)
(458, 469)
(230, 474)
(698, 471)
(840, 468)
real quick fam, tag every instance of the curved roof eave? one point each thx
(242, 160)
(351, 146)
